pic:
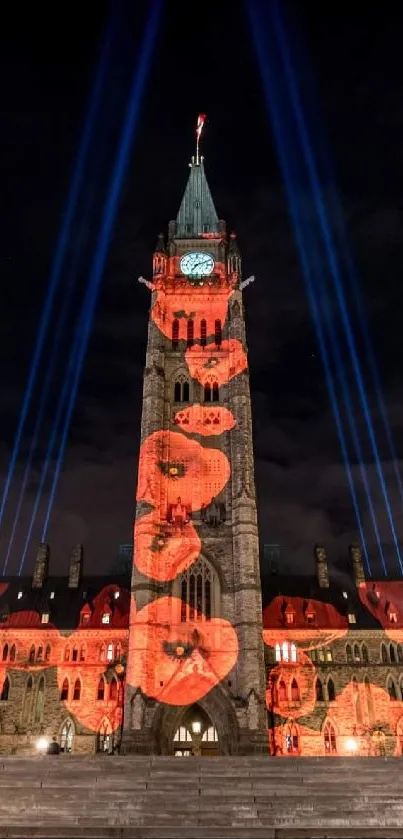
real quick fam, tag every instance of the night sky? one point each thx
(203, 62)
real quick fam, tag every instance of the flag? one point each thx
(200, 122)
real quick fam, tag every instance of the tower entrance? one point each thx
(196, 736)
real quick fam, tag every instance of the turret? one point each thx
(76, 566)
(234, 256)
(160, 257)
(321, 566)
(355, 553)
(41, 568)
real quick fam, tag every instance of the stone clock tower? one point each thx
(195, 669)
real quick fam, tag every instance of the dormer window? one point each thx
(345, 595)
(52, 595)
(85, 615)
(45, 617)
(85, 618)
(289, 615)
(352, 618)
(392, 613)
(19, 595)
(116, 594)
(106, 618)
(310, 613)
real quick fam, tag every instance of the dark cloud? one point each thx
(302, 487)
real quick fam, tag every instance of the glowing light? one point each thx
(351, 745)
(196, 727)
(42, 744)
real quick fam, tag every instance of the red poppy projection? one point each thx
(178, 655)
(179, 662)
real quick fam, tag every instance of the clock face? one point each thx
(196, 264)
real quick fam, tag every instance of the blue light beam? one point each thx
(333, 264)
(97, 268)
(291, 179)
(59, 256)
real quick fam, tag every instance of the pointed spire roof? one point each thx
(197, 213)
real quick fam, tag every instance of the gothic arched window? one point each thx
(282, 691)
(113, 689)
(181, 390)
(384, 654)
(331, 691)
(27, 700)
(5, 690)
(391, 688)
(319, 690)
(77, 690)
(364, 654)
(392, 653)
(67, 736)
(198, 588)
(101, 689)
(203, 333)
(294, 691)
(329, 736)
(48, 652)
(349, 654)
(217, 333)
(31, 657)
(5, 652)
(207, 392)
(64, 695)
(13, 653)
(40, 696)
(216, 392)
(175, 334)
(104, 740)
(291, 739)
(357, 656)
(190, 333)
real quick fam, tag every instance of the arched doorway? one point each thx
(195, 735)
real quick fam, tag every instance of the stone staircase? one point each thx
(223, 797)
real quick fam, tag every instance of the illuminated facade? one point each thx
(184, 660)
(195, 640)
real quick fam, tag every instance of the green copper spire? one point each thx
(197, 213)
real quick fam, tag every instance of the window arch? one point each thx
(291, 739)
(175, 334)
(5, 652)
(215, 392)
(104, 739)
(392, 653)
(101, 689)
(295, 697)
(384, 654)
(113, 689)
(64, 693)
(48, 652)
(210, 735)
(282, 691)
(13, 653)
(199, 590)
(319, 690)
(27, 700)
(39, 655)
(217, 333)
(364, 654)
(207, 392)
(349, 654)
(399, 650)
(203, 333)
(357, 654)
(67, 736)
(329, 736)
(391, 688)
(82, 653)
(369, 700)
(74, 655)
(67, 654)
(5, 691)
(182, 735)
(181, 389)
(31, 657)
(331, 691)
(190, 333)
(357, 702)
(40, 698)
(77, 690)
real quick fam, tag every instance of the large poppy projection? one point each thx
(178, 655)
(179, 662)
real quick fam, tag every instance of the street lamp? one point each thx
(351, 745)
(42, 744)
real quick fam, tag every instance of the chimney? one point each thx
(76, 566)
(41, 566)
(321, 566)
(355, 553)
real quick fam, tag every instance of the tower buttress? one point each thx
(195, 656)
